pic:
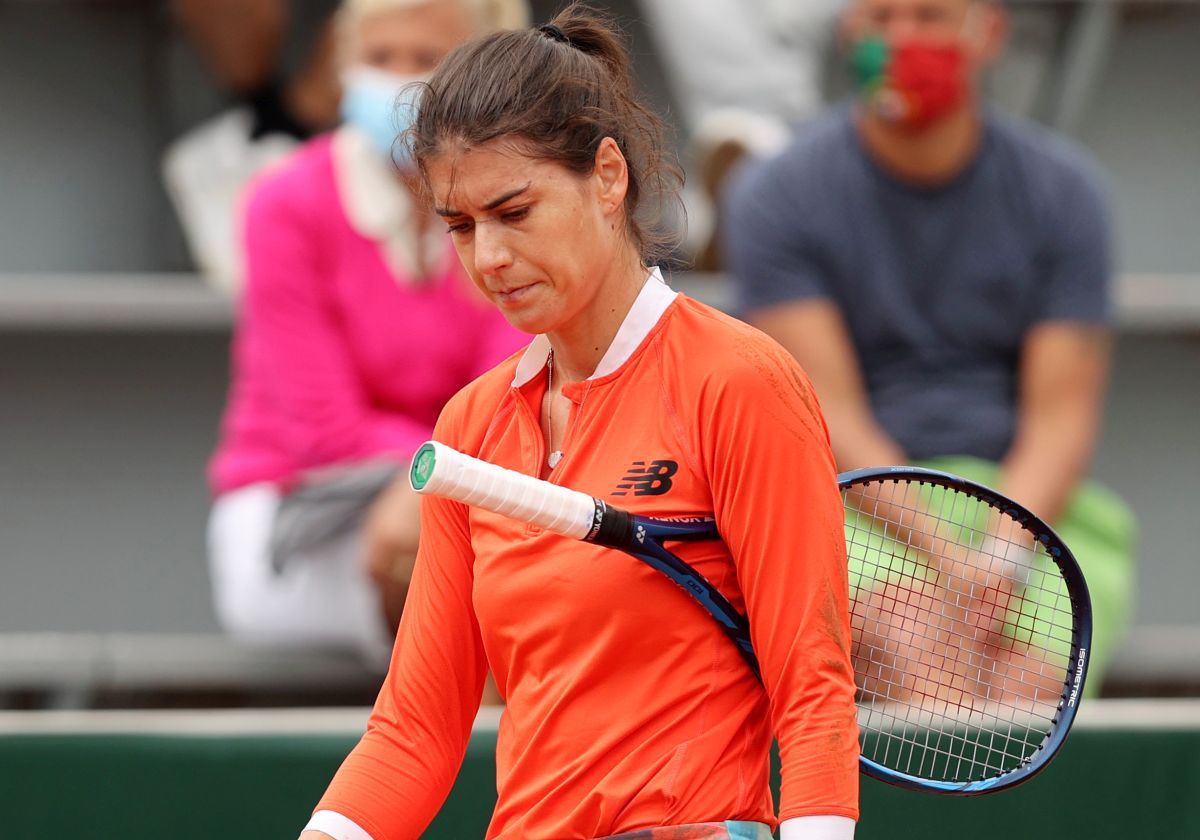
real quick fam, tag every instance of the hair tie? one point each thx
(555, 33)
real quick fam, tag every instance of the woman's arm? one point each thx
(390, 538)
(775, 494)
(814, 332)
(327, 824)
(397, 777)
(817, 828)
(295, 337)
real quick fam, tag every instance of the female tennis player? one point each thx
(629, 714)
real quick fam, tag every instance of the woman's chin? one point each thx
(530, 319)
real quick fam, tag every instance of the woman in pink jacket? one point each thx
(355, 326)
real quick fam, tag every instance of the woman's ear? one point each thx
(611, 176)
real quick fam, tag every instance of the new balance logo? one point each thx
(642, 479)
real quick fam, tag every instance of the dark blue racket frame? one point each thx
(643, 537)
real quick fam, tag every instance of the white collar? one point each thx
(652, 301)
(380, 209)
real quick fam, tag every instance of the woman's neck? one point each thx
(580, 345)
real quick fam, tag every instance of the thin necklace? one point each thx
(556, 455)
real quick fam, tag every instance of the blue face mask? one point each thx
(382, 106)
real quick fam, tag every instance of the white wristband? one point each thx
(817, 828)
(336, 826)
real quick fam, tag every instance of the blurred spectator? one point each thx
(942, 272)
(356, 325)
(207, 169)
(744, 72)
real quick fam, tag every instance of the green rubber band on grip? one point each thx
(422, 466)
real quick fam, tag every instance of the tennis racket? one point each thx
(971, 620)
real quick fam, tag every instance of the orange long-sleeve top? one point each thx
(627, 707)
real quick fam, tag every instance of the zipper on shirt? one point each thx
(573, 421)
(540, 449)
(533, 421)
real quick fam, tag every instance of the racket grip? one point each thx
(440, 470)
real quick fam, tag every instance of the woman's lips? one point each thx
(514, 295)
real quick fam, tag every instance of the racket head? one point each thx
(969, 666)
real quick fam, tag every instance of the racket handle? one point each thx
(440, 470)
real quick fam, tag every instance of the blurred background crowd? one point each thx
(226, 316)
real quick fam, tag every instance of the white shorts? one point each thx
(320, 598)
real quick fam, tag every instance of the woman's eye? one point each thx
(515, 215)
(459, 227)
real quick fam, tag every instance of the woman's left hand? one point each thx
(390, 535)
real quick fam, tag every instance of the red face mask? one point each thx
(913, 83)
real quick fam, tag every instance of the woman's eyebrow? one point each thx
(491, 205)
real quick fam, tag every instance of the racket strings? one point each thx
(962, 631)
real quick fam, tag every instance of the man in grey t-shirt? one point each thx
(940, 271)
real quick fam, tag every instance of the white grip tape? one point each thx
(471, 481)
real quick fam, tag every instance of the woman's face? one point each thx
(537, 239)
(410, 41)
